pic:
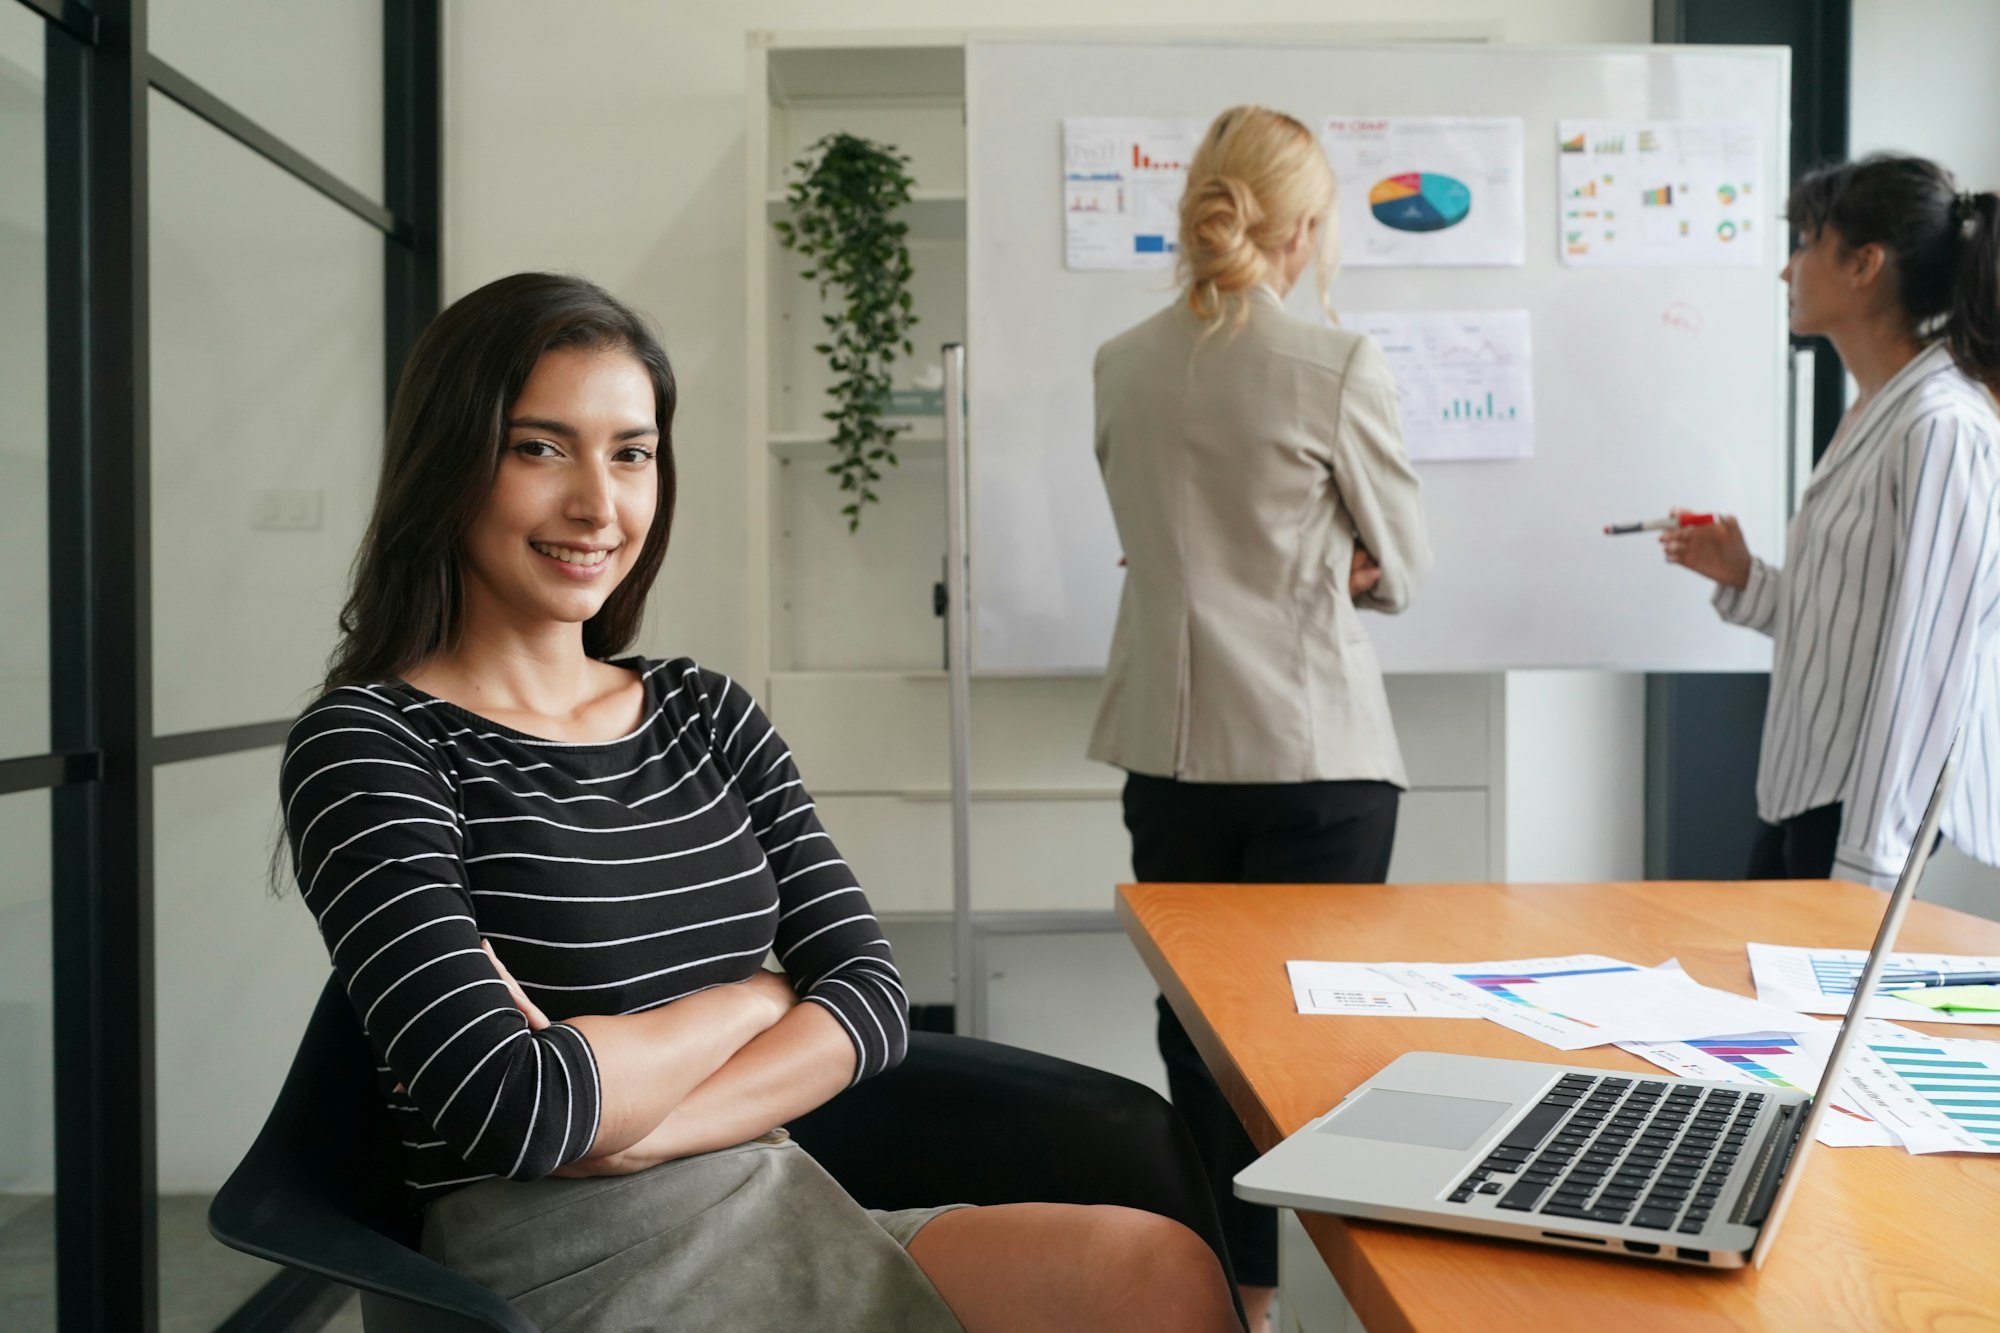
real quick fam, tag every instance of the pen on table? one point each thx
(1659, 524)
(1916, 979)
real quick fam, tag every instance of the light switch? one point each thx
(286, 510)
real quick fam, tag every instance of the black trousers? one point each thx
(1247, 833)
(1801, 847)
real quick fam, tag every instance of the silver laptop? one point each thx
(1682, 1170)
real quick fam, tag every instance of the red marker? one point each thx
(1659, 524)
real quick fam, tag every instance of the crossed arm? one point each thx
(705, 1072)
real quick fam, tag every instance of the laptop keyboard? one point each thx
(1619, 1150)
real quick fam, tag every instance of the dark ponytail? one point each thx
(1946, 246)
(1973, 329)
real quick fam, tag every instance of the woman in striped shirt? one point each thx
(1884, 616)
(548, 878)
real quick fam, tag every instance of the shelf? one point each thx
(923, 674)
(933, 215)
(817, 71)
(811, 446)
(938, 795)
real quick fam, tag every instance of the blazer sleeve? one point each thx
(1947, 553)
(1380, 489)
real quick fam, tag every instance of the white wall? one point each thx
(1926, 80)
(1575, 776)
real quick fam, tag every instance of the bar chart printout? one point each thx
(1504, 991)
(1821, 981)
(1122, 183)
(1466, 381)
(1938, 1094)
(1792, 1061)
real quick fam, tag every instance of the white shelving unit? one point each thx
(847, 651)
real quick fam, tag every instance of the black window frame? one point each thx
(103, 755)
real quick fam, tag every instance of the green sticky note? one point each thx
(1964, 998)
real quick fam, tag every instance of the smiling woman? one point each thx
(548, 878)
(469, 379)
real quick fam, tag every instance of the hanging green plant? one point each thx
(844, 207)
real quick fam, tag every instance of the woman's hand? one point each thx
(772, 990)
(1362, 574)
(1714, 550)
(537, 1020)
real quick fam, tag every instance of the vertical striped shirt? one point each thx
(1883, 623)
(610, 877)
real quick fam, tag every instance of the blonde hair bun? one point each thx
(1257, 175)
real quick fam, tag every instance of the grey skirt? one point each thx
(757, 1236)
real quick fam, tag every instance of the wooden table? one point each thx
(1875, 1239)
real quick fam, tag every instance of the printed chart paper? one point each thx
(1505, 991)
(1651, 1004)
(1821, 981)
(1362, 988)
(1466, 381)
(1428, 190)
(1122, 183)
(1788, 1060)
(1661, 192)
(1938, 1094)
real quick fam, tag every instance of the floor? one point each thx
(201, 1282)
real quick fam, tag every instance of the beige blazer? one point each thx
(1242, 468)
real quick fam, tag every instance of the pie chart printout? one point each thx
(1420, 201)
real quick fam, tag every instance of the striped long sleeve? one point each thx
(828, 940)
(1935, 654)
(377, 835)
(1883, 624)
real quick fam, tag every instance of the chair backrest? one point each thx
(321, 1191)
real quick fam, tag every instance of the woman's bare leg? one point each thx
(1023, 1267)
(1256, 1306)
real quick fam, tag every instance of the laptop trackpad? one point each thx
(1415, 1117)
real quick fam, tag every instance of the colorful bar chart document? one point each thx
(1362, 988)
(1428, 190)
(1938, 1094)
(1791, 1060)
(1466, 381)
(1821, 981)
(1122, 183)
(1505, 991)
(1661, 193)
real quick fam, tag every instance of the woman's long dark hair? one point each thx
(446, 434)
(1945, 244)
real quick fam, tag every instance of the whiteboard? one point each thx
(1653, 387)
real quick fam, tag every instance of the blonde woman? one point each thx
(1256, 471)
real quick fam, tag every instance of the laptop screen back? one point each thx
(1864, 992)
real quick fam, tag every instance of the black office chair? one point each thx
(960, 1121)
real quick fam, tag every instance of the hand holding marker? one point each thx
(1672, 521)
(1709, 544)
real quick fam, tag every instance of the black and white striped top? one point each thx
(1884, 625)
(610, 878)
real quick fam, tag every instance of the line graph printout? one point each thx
(1939, 1094)
(1792, 1061)
(1466, 381)
(1504, 991)
(1821, 981)
(1122, 183)
(1661, 192)
(1428, 190)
